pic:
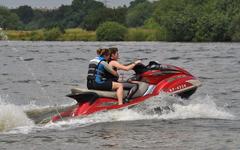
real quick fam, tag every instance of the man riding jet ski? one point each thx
(152, 79)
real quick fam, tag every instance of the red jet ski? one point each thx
(152, 79)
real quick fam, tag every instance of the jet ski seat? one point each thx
(142, 88)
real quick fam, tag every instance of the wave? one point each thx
(20, 119)
(16, 119)
(162, 107)
(12, 116)
(203, 107)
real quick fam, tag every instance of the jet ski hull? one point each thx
(168, 79)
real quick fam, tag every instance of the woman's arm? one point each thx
(109, 68)
(123, 67)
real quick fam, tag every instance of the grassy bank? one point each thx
(54, 34)
(141, 34)
(77, 34)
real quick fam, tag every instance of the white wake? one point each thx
(12, 116)
(14, 120)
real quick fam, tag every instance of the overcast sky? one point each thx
(55, 3)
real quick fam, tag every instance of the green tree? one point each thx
(25, 13)
(151, 24)
(37, 21)
(67, 18)
(234, 28)
(96, 17)
(136, 2)
(178, 18)
(212, 27)
(8, 20)
(119, 15)
(88, 9)
(138, 14)
(213, 23)
(86, 5)
(111, 31)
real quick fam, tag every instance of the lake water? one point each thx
(36, 76)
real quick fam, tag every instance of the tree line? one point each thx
(172, 20)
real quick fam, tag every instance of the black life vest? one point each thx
(111, 76)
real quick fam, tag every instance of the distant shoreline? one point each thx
(77, 34)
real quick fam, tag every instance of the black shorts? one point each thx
(105, 86)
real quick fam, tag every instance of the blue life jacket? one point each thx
(96, 70)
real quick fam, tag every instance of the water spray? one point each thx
(3, 36)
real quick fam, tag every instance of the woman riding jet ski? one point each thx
(153, 79)
(101, 76)
(130, 86)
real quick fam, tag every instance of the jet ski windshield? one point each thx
(153, 65)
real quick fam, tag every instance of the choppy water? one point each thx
(36, 76)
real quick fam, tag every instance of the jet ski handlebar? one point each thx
(153, 65)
